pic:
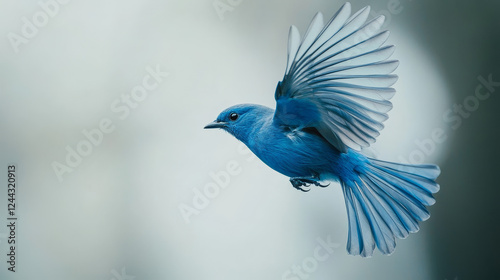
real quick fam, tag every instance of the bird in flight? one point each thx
(331, 103)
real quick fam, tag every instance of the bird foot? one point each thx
(304, 183)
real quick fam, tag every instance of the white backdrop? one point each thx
(115, 212)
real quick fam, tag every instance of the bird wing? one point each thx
(338, 79)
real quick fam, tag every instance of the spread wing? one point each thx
(338, 79)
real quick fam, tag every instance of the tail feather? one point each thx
(429, 171)
(360, 239)
(397, 211)
(387, 201)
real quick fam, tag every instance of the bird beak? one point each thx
(215, 124)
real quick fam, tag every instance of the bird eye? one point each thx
(233, 116)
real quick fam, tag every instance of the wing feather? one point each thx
(338, 79)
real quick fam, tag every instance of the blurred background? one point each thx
(103, 105)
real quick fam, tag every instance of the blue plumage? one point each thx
(332, 101)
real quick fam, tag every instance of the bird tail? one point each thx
(387, 200)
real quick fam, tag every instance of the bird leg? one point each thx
(298, 182)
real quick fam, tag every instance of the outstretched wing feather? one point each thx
(341, 73)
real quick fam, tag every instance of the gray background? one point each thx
(119, 208)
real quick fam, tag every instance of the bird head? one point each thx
(239, 120)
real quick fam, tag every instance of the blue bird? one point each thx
(332, 102)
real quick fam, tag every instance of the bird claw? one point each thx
(298, 183)
(306, 182)
(320, 185)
